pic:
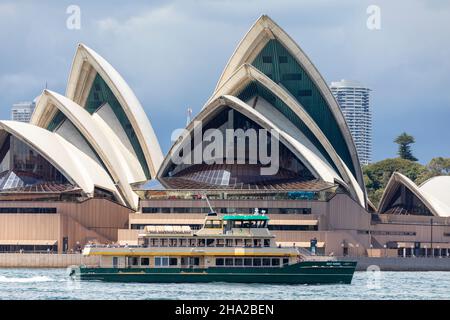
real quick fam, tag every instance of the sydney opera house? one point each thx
(89, 166)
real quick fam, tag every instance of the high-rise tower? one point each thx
(354, 100)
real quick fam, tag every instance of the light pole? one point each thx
(385, 251)
(412, 251)
(431, 236)
(426, 255)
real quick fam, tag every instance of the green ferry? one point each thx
(229, 248)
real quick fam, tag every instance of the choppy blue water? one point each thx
(54, 284)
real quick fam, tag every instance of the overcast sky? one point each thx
(172, 53)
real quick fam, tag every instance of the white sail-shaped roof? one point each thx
(248, 73)
(123, 167)
(433, 193)
(75, 165)
(86, 65)
(319, 168)
(260, 34)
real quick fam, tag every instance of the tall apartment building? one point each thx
(354, 100)
(22, 111)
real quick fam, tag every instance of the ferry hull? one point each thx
(300, 273)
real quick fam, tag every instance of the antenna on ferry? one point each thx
(211, 210)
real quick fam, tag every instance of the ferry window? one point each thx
(183, 242)
(257, 262)
(239, 242)
(133, 261)
(161, 261)
(215, 224)
(163, 242)
(210, 242)
(145, 261)
(173, 261)
(192, 243)
(266, 261)
(219, 261)
(228, 261)
(201, 242)
(194, 261)
(275, 262)
(247, 261)
(154, 242)
(219, 243)
(257, 242)
(238, 261)
(172, 242)
(229, 242)
(285, 261)
(266, 242)
(248, 242)
(115, 261)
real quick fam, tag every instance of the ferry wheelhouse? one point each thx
(228, 248)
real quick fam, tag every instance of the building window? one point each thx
(27, 210)
(305, 93)
(295, 210)
(291, 76)
(294, 227)
(267, 59)
(282, 59)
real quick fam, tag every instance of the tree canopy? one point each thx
(404, 142)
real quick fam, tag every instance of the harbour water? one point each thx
(54, 284)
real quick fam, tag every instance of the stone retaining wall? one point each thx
(44, 260)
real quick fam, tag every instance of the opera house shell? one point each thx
(269, 83)
(403, 197)
(97, 137)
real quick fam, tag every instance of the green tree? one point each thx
(404, 142)
(436, 167)
(439, 166)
